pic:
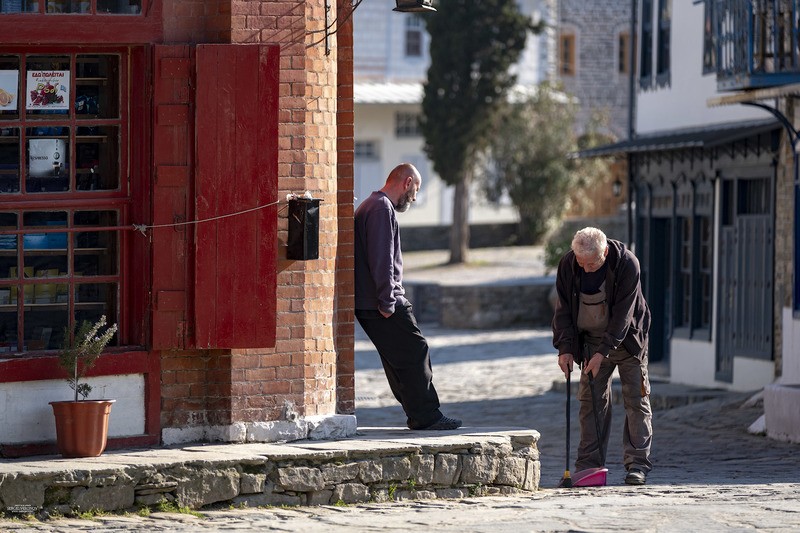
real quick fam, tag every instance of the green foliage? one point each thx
(529, 160)
(473, 44)
(165, 506)
(556, 246)
(392, 491)
(80, 352)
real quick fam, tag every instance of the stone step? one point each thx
(379, 464)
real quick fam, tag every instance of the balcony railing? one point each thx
(756, 42)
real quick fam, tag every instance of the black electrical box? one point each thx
(303, 242)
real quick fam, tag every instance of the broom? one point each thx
(566, 480)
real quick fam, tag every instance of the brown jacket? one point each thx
(629, 316)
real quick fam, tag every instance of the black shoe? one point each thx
(635, 477)
(444, 423)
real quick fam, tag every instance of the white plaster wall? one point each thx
(26, 415)
(791, 348)
(693, 363)
(683, 103)
(375, 122)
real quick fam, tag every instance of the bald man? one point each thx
(381, 306)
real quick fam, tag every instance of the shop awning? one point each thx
(704, 137)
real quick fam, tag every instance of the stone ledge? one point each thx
(379, 464)
(484, 306)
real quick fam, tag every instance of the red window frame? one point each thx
(55, 28)
(127, 199)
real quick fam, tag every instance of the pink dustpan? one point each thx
(590, 477)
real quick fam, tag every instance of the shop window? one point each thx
(117, 7)
(61, 144)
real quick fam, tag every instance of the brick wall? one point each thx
(311, 366)
(784, 232)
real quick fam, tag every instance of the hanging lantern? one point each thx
(413, 6)
(616, 187)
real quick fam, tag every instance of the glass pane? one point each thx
(96, 89)
(48, 162)
(44, 254)
(69, 6)
(128, 7)
(47, 86)
(93, 300)
(8, 326)
(44, 327)
(96, 251)
(9, 160)
(9, 87)
(97, 158)
(8, 247)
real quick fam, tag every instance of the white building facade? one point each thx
(390, 65)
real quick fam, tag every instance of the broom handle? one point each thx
(569, 393)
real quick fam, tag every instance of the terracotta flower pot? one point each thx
(82, 427)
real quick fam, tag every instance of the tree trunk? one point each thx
(459, 233)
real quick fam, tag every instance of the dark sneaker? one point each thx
(444, 423)
(635, 477)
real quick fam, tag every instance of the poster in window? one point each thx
(46, 157)
(9, 87)
(48, 89)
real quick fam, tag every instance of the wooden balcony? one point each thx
(755, 42)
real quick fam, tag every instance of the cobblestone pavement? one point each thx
(709, 473)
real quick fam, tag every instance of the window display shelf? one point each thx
(59, 306)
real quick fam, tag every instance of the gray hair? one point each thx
(589, 242)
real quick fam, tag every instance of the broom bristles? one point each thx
(566, 480)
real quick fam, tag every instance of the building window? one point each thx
(566, 54)
(414, 36)
(407, 125)
(116, 7)
(623, 53)
(646, 52)
(63, 194)
(709, 40)
(663, 45)
(366, 150)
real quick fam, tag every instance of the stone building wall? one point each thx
(597, 82)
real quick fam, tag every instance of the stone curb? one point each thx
(380, 464)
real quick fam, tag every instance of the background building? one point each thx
(390, 65)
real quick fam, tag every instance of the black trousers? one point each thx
(406, 361)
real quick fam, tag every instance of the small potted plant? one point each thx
(81, 424)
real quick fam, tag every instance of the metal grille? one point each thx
(756, 37)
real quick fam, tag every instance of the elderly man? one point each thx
(381, 307)
(602, 321)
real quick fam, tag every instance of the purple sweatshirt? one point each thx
(378, 259)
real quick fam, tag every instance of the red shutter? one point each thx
(172, 134)
(236, 169)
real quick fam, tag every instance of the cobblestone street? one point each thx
(709, 474)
